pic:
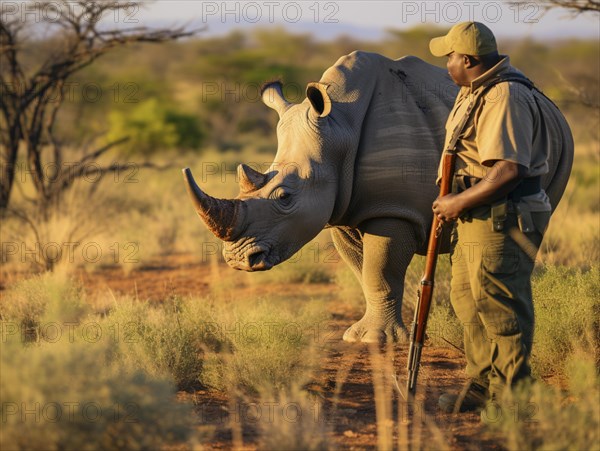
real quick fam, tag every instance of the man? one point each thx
(501, 154)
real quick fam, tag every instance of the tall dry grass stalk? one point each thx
(298, 423)
(382, 370)
(412, 422)
(341, 376)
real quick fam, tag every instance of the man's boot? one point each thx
(472, 397)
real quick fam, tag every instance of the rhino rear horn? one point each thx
(272, 96)
(250, 179)
(223, 217)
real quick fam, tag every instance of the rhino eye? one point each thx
(281, 195)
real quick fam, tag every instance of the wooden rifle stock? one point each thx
(424, 295)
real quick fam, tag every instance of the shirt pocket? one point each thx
(467, 132)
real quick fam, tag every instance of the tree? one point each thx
(30, 98)
(576, 6)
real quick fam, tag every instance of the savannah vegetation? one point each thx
(145, 368)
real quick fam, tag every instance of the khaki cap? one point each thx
(467, 38)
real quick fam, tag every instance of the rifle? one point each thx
(425, 293)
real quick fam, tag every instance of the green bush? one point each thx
(187, 126)
(152, 127)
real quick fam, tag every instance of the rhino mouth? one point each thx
(256, 257)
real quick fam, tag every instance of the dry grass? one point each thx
(412, 427)
(540, 417)
(68, 389)
(261, 350)
(298, 421)
(74, 396)
(566, 307)
(33, 304)
(165, 339)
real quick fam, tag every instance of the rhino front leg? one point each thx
(348, 242)
(388, 246)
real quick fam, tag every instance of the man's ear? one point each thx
(470, 61)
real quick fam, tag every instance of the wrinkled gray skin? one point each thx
(358, 155)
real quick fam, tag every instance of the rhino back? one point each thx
(400, 142)
(560, 149)
(402, 134)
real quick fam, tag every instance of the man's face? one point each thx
(456, 69)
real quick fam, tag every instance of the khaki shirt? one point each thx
(505, 124)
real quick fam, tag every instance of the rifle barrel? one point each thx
(425, 294)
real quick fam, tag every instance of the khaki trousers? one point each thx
(491, 295)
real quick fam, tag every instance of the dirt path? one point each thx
(345, 383)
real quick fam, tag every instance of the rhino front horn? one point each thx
(222, 216)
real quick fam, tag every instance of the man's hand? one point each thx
(448, 208)
(500, 180)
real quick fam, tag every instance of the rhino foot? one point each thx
(369, 331)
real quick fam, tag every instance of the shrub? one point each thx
(76, 396)
(152, 127)
(270, 344)
(31, 305)
(566, 307)
(165, 339)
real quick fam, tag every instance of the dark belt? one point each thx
(526, 187)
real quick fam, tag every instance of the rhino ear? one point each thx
(319, 99)
(272, 96)
(250, 180)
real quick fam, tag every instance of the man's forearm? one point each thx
(503, 177)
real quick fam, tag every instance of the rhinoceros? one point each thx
(359, 156)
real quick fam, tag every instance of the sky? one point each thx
(365, 19)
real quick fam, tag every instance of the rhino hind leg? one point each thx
(388, 246)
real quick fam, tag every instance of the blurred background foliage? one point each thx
(205, 92)
(196, 102)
